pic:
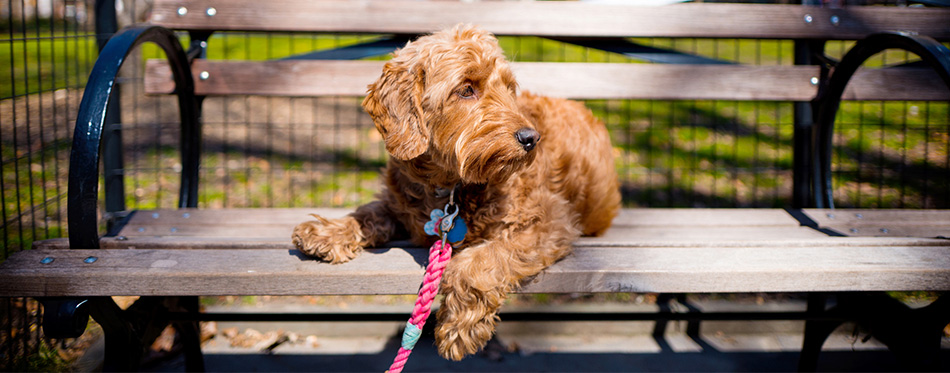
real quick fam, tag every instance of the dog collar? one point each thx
(444, 192)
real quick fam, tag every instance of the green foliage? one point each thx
(45, 359)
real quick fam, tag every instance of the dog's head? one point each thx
(451, 96)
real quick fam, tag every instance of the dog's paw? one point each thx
(335, 241)
(460, 334)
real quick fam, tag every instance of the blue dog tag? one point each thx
(458, 231)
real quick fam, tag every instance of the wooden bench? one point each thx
(171, 256)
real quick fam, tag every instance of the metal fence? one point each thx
(46, 51)
(301, 151)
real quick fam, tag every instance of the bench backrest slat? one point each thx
(554, 19)
(572, 80)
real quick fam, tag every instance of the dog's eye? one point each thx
(466, 92)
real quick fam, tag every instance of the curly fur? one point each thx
(448, 110)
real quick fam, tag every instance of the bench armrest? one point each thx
(829, 97)
(83, 189)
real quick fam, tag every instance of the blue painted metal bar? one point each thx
(358, 51)
(641, 52)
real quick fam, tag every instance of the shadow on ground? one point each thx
(496, 359)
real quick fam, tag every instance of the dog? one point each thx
(529, 174)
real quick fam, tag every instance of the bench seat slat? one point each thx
(275, 225)
(306, 78)
(560, 18)
(638, 217)
(243, 217)
(398, 271)
(648, 250)
(799, 237)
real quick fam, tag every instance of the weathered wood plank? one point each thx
(642, 217)
(650, 250)
(734, 237)
(631, 225)
(666, 82)
(552, 18)
(691, 217)
(271, 228)
(640, 225)
(874, 217)
(885, 222)
(748, 268)
(571, 80)
(270, 78)
(704, 217)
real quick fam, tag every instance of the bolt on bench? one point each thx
(169, 257)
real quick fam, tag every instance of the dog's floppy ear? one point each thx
(395, 103)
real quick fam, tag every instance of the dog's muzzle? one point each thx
(528, 138)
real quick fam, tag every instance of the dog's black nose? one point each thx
(528, 138)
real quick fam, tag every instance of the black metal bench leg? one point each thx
(190, 334)
(129, 332)
(913, 335)
(816, 333)
(123, 349)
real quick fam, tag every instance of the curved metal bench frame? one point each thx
(83, 190)
(129, 329)
(921, 329)
(928, 49)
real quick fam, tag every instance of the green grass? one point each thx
(44, 62)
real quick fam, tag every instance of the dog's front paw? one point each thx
(462, 332)
(335, 241)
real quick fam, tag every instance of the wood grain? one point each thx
(570, 80)
(648, 250)
(272, 227)
(747, 268)
(556, 18)
(884, 223)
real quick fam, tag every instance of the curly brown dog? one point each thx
(531, 173)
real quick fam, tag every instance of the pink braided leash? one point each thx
(439, 255)
(450, 228)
